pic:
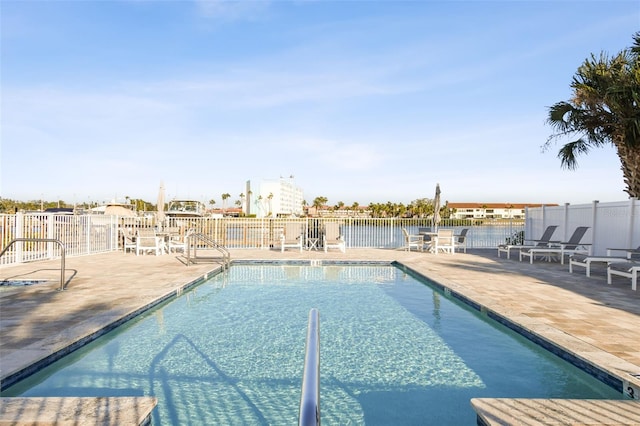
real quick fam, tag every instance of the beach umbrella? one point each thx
(160, 216)
(436, 208)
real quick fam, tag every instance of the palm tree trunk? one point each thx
(630, 165)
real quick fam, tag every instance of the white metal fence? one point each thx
(611, 225)
(90, 234)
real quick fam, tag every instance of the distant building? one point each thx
(274, 198)
(490, 210)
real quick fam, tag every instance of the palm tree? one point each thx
(224, 201)
(269, 200)
(605, 109)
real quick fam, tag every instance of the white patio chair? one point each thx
(332, 238)
(177, 242)
(292, 236)
(410, 241)
(443, 241)
(460, 240)
(146, 241)
(128, 241)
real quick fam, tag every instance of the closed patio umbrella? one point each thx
(161, 215)
(436, 208)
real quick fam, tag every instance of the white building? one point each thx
(274, 198)
(490, 210)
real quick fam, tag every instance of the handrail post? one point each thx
(310, 396)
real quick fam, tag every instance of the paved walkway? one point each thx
(598, 323)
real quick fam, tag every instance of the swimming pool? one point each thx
(393, 351)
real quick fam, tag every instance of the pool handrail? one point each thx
(43, 240)
(199, 236)
(309, 413)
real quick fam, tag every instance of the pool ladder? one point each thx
(196, 237)
(43, 240)
(310, 395)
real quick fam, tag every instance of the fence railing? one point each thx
(91, 234)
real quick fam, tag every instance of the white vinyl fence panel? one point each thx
(611, 225)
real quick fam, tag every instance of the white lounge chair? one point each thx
(292, 236)
(146, 241)
(573, 246)
(585, 261)
(332, 237)
(544, 241)
(625, 269)
(630, 253)
(411, 240)
(443, 241)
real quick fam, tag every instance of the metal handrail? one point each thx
(310, 396)
(43, 240)
(226, 255)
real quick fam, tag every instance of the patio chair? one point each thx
(411, 240)
(291, 236)
(443, 241)
(146, 241)
(460, 240)
(544, 241)
(585, 261)
(332, 237)
(128, 241)
(426, 233)
(625, 269)
(177, 242)
(573, 246)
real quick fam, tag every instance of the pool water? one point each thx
(393, 350)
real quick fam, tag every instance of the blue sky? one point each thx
(365, 101)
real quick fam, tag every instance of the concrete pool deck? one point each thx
(592, 321)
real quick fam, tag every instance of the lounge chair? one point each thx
(585, 261)
(443, 241)
(573, 246)
(291, 236)
(544, 241)
(630, 253)
(128, 241)
(625, 269)
(332, 237)
(146, 241)
(460, 240)
(412, 240)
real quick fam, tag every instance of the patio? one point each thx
(594, 321)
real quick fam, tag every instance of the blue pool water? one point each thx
(393, 351)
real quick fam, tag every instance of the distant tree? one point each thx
(604, 109)
(320, 201)
(225, 196)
